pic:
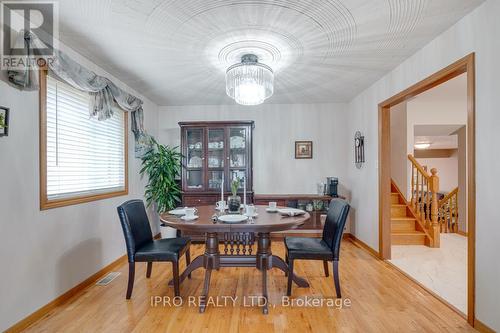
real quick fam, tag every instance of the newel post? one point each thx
(434, 230)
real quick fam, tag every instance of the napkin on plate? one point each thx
(291, 212)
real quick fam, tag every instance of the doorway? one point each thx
(463, 66)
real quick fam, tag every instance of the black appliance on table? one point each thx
(332, 186)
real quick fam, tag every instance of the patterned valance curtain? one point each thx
(105, 95)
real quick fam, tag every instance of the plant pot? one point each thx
(168, 232)
(233, 203)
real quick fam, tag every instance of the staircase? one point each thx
(405, 228)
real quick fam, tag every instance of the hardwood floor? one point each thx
(382, 300)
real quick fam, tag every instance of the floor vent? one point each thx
(107, 279)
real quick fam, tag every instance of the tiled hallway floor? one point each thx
(443, 270)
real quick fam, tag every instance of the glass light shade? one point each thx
(422, 145)
(249, 82)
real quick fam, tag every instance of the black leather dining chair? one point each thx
(326, 248)
(141, 247)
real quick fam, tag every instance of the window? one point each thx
(81, 159)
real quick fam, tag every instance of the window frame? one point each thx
(45, 203)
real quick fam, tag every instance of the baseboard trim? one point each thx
(481, 327)
(362, 245)
(40, 313)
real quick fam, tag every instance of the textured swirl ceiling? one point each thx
(176, 51)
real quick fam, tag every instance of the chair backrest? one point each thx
(334, 225)
(135, 225)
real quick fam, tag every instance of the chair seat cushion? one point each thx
(162, 250)
(307, 247)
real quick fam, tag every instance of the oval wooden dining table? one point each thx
(237, 240)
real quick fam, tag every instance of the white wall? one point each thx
(445, 104)
(477, 32)
(277, 127)
(46, 253)
(447, 171)
(399, 154)
(462, 179)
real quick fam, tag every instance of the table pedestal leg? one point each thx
(264, 263)
(211, 260)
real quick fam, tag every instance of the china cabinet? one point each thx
(212, 152)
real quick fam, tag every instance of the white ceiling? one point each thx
(439, 142)
(435, 130)
(176, 51)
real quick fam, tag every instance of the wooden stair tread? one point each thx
(412, 232)
(403, 218)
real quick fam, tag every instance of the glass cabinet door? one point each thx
(237, 148)
(194, 159)
(216, 153)
(238, 154)
(240, 174)
(216, 157)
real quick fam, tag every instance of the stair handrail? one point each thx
(419, 166)
(448, 212)
(448, 196)
(424, 202)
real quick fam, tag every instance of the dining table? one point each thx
(237, 241)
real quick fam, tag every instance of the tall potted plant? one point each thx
(162, 165)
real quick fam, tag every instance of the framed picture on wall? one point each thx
(303, 149)
(4, 121)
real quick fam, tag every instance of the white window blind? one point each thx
(84, 156)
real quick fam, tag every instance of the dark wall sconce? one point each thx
(359, 149)
(4, 121)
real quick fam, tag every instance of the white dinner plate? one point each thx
(235, 218)
(177, 212)
(191, 218)
(291, 211)
(271, 210)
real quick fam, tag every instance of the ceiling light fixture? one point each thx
(423, 145)
(249, 82)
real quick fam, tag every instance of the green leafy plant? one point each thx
(2, 121)
(162, 164)
(235, 184)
